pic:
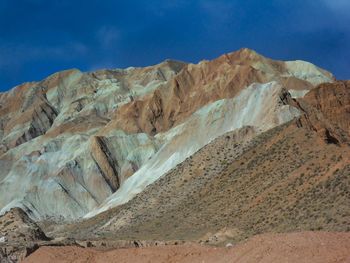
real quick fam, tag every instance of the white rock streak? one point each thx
(258, 105)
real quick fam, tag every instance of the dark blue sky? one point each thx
(40, 37)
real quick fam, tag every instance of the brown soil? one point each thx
(301, 247)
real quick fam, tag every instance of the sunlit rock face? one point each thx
(76, 144)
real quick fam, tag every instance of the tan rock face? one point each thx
(69, 142)
(105, 161)
(333, 101)
(26, 114)
(326, 111)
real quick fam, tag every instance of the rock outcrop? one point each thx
(17, 227)
(326, 110)
(333, 101)
(18, 236)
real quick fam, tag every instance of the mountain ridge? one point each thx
(46, 125)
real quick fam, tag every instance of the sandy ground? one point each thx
(301, 247)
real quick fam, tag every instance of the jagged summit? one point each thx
(245, 53)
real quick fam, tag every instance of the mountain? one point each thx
(72, 140)
(214, 152)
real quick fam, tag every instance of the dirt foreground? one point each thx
(300, 247)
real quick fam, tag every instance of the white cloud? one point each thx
(338, 5)
(163, 7)
(108, 36)
(221, 11)
(340, 10)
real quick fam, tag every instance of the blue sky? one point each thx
(38, 38)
